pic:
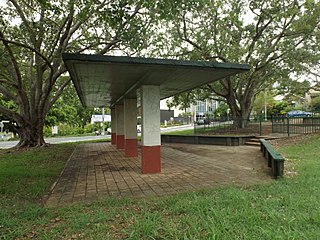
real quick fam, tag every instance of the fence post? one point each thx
(288, 126)
(260, 129)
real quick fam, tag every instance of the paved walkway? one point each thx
(99, 170)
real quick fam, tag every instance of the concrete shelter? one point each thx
(125, 83)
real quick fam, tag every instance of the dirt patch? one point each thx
(238, 156)
(294, 140)
(210, 150)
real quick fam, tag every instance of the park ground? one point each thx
(281, 209)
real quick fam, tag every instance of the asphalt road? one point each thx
(10, 144)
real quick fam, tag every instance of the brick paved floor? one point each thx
(99, 170)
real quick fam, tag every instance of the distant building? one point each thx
(311, 94)
(164, 107)
(201, 108)
(98, 118)
(166, 115)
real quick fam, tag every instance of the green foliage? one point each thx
(263, 99)
(222, 111)
(279, 108)
(293, 88)
(183, 100)
(68, 130)
(9, 104)
(279, 45)
(315, 104)
(33, 36)
(185, 114)
(69, 110)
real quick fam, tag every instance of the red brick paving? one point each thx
(99, 170)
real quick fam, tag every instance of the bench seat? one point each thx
(275, 160)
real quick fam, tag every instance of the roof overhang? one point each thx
(103, 81)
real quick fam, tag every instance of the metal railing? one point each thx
(253, 126)
(295, 125)
(259, 126)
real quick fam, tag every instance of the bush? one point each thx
(67, 130)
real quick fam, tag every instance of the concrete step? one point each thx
(266, 137)
(256, 140)
(253, 143)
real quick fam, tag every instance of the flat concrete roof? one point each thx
(102, 81)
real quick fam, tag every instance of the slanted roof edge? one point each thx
(151, 61)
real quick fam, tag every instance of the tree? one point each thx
(221, 112)
(315, 104)
(263, 101)
(293, 88)
(183, 101)
(33, 36)
(68, 109)
(280, 108)
(275, 43)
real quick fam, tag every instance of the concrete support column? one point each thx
(151, 139)
(113, 126)
(120, 126)
(130, 127)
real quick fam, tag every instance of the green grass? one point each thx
(200, 130)
(25, 175)
(180, 132)
(283, 209)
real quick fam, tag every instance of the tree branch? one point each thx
(24, 19)
(13, 60)
(115, 38)
(8, 94)
(10, 114)
(109, 45)
(185, 35)
(27, 47)
(58, 94)
(212, 89)
(258, 34)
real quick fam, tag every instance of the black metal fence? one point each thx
(253, 126)
(260, 126)
(295, 125)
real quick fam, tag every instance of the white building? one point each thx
(98, 118)
(201, 108)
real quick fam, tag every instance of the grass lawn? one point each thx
(202, 130)
(283, 209)
(180, 132)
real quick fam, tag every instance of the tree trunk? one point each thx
(31, 135)
(240, 114)
(241, 119)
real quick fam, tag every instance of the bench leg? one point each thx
(269, 159)
(277, 168)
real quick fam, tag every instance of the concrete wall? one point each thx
(208, 140)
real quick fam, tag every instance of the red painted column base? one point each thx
(113, 138)
(131, 147)
(151, 159)
(120, 141)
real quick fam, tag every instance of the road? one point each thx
(10, 144)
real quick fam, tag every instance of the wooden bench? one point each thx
(275, 160)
